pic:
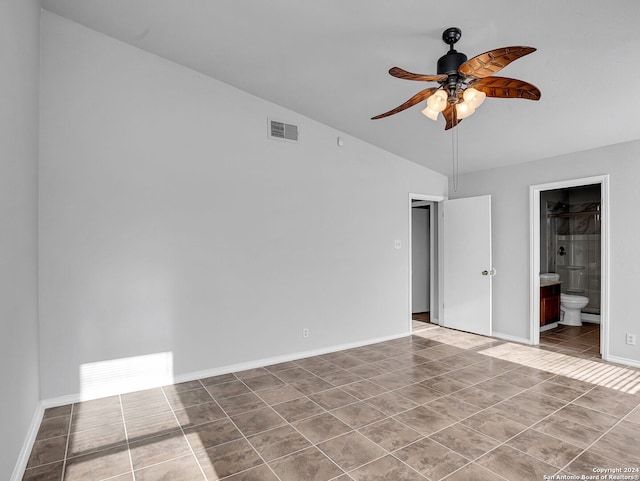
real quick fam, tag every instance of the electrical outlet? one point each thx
(305, 332)
(631, 339)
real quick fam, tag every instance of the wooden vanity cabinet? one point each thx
(549, 304)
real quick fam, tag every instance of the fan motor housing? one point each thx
(448, 64)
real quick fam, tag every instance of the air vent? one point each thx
(283, 131)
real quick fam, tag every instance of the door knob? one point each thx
(485, 273)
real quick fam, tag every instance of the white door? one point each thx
(467, 269)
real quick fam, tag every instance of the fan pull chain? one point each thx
(454, 152)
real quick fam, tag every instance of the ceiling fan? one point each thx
(464, 84)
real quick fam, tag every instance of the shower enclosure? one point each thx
(573, 249)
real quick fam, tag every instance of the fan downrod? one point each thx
(450, 62)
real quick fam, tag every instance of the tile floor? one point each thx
(439, 404)
(582, 341)
(421, 316)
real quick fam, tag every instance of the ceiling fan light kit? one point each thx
(464, 84)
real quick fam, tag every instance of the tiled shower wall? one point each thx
(574, 230)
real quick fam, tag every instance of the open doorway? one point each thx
(421, 276)
(569, 254)
(424, 280)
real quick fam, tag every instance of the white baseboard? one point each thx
(623, 360)
(509, 337)
(60, 401)
(548, 327)
(592, 318)
(192, 376)
(243, 366)
(25, 452)
(27, 445)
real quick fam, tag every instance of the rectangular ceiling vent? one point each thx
(283, 131)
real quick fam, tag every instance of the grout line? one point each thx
(442, 338)
(66, 448)
(126, 437)
(240, 430)
(599, 438)
(183, 433)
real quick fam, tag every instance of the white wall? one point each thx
(420, 255)
(509, 188)
(19, 58)
(149, 173)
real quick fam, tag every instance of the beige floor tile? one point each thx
(309, 464)
(279, 394)
(473, 472)
(98, 466)
(431, 459)
(184, 468)
(212, 434)
(516, 465)
(424, 420)
(441, 405)
(363, 389)
(545, 448)
(227, 459)
(621, 444)
(390, 434)
(358, 414)
(48, 472)
(158, 449)
(278, 442)
(322, 427)
(298, 409)
(494, 425)
(588, 460)
(351, 450)
(385, 469)
(574, 433)
(254, 422)
(465, 441)
(587, 417)
(91, 440)
(390, 403)
(200, 414)
(47, 451)
(452, 408)
(333, 398)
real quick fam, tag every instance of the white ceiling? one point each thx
(328, 60)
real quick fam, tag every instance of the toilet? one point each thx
(571, 306)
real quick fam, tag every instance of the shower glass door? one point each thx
(573, 249)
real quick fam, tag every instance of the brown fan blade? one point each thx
(492, 61)
(400, 73)
(507, 88)
(450, 116)
(417, 98)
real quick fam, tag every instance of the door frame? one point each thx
(432, 277)
(534, 253)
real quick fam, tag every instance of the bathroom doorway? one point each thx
(569, 247)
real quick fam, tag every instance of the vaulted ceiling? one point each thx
(328, 60)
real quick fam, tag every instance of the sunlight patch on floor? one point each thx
(460, 339)
(602, 374)
(598, 373)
